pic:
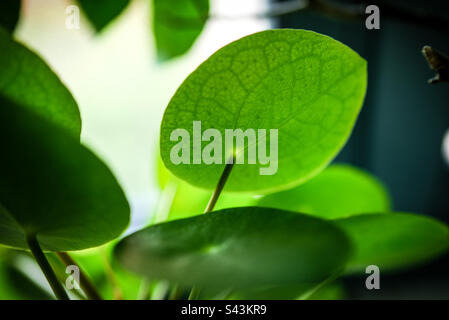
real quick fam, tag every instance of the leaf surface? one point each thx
(337, 192)
(177, 24)
(101, 12)
(239, 247)
(27, 80)
(53, 187)
(9, 14)
(307, 86)
(393, 241)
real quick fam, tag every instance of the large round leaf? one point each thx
(27, 80)
(53, 187)
(337, 192)
(236, 248)
(394, 240)
(307, 86)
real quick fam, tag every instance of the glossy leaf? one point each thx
(9, 14)
(53, 187)
(337, 192)
(307, 86)
(393, 241)
(240, 247)
(101, 12)
(27, 80)
(177, 24)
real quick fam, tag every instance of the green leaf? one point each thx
(237, 248)
(393, 241)
(27, 80)
(53, 187)
(307, 86)
(14, 283)
(101, 12)
(177, 24)
(9, 14)
(337, 192)
(333, 291)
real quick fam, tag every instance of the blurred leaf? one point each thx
(52, 186)
(394, 240)
(338, 191)
(237, 248)
(93, 262)
(177, 24)
(308, 86)
(333, 291)
(9, 14)
(101, 12)
(14, 284)
(27, 80)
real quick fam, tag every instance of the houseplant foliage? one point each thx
(269, 80)
(226, 92)
(288, 235)
(176, 25)
(55, 194)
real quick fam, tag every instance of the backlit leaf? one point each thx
(307, 86)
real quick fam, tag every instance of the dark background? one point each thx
(399, 133)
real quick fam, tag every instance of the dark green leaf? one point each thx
(236, 248)
(307, 86)
(101, 12)
(337, 192)
(52, 186)
(27, 80)
(394, 240)
(177, 24)
(9, 14)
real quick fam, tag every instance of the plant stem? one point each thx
(220, 185)
(42, 261)
(144, 290)
(85, 283)
(194, 293)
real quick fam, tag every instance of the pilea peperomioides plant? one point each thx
(309, 88)
(279, 226)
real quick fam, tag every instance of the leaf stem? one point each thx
(195, 291)
(42, 261)
(220, 185)
(85, 283)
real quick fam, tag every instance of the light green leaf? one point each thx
(101, 12)
(237, 248)
(9, 14)
(337, 192)
(394, 241)
(27, 80)
(307, 86)
(177, 24)
(53, 187)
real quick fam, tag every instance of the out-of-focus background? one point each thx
(122, 92)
